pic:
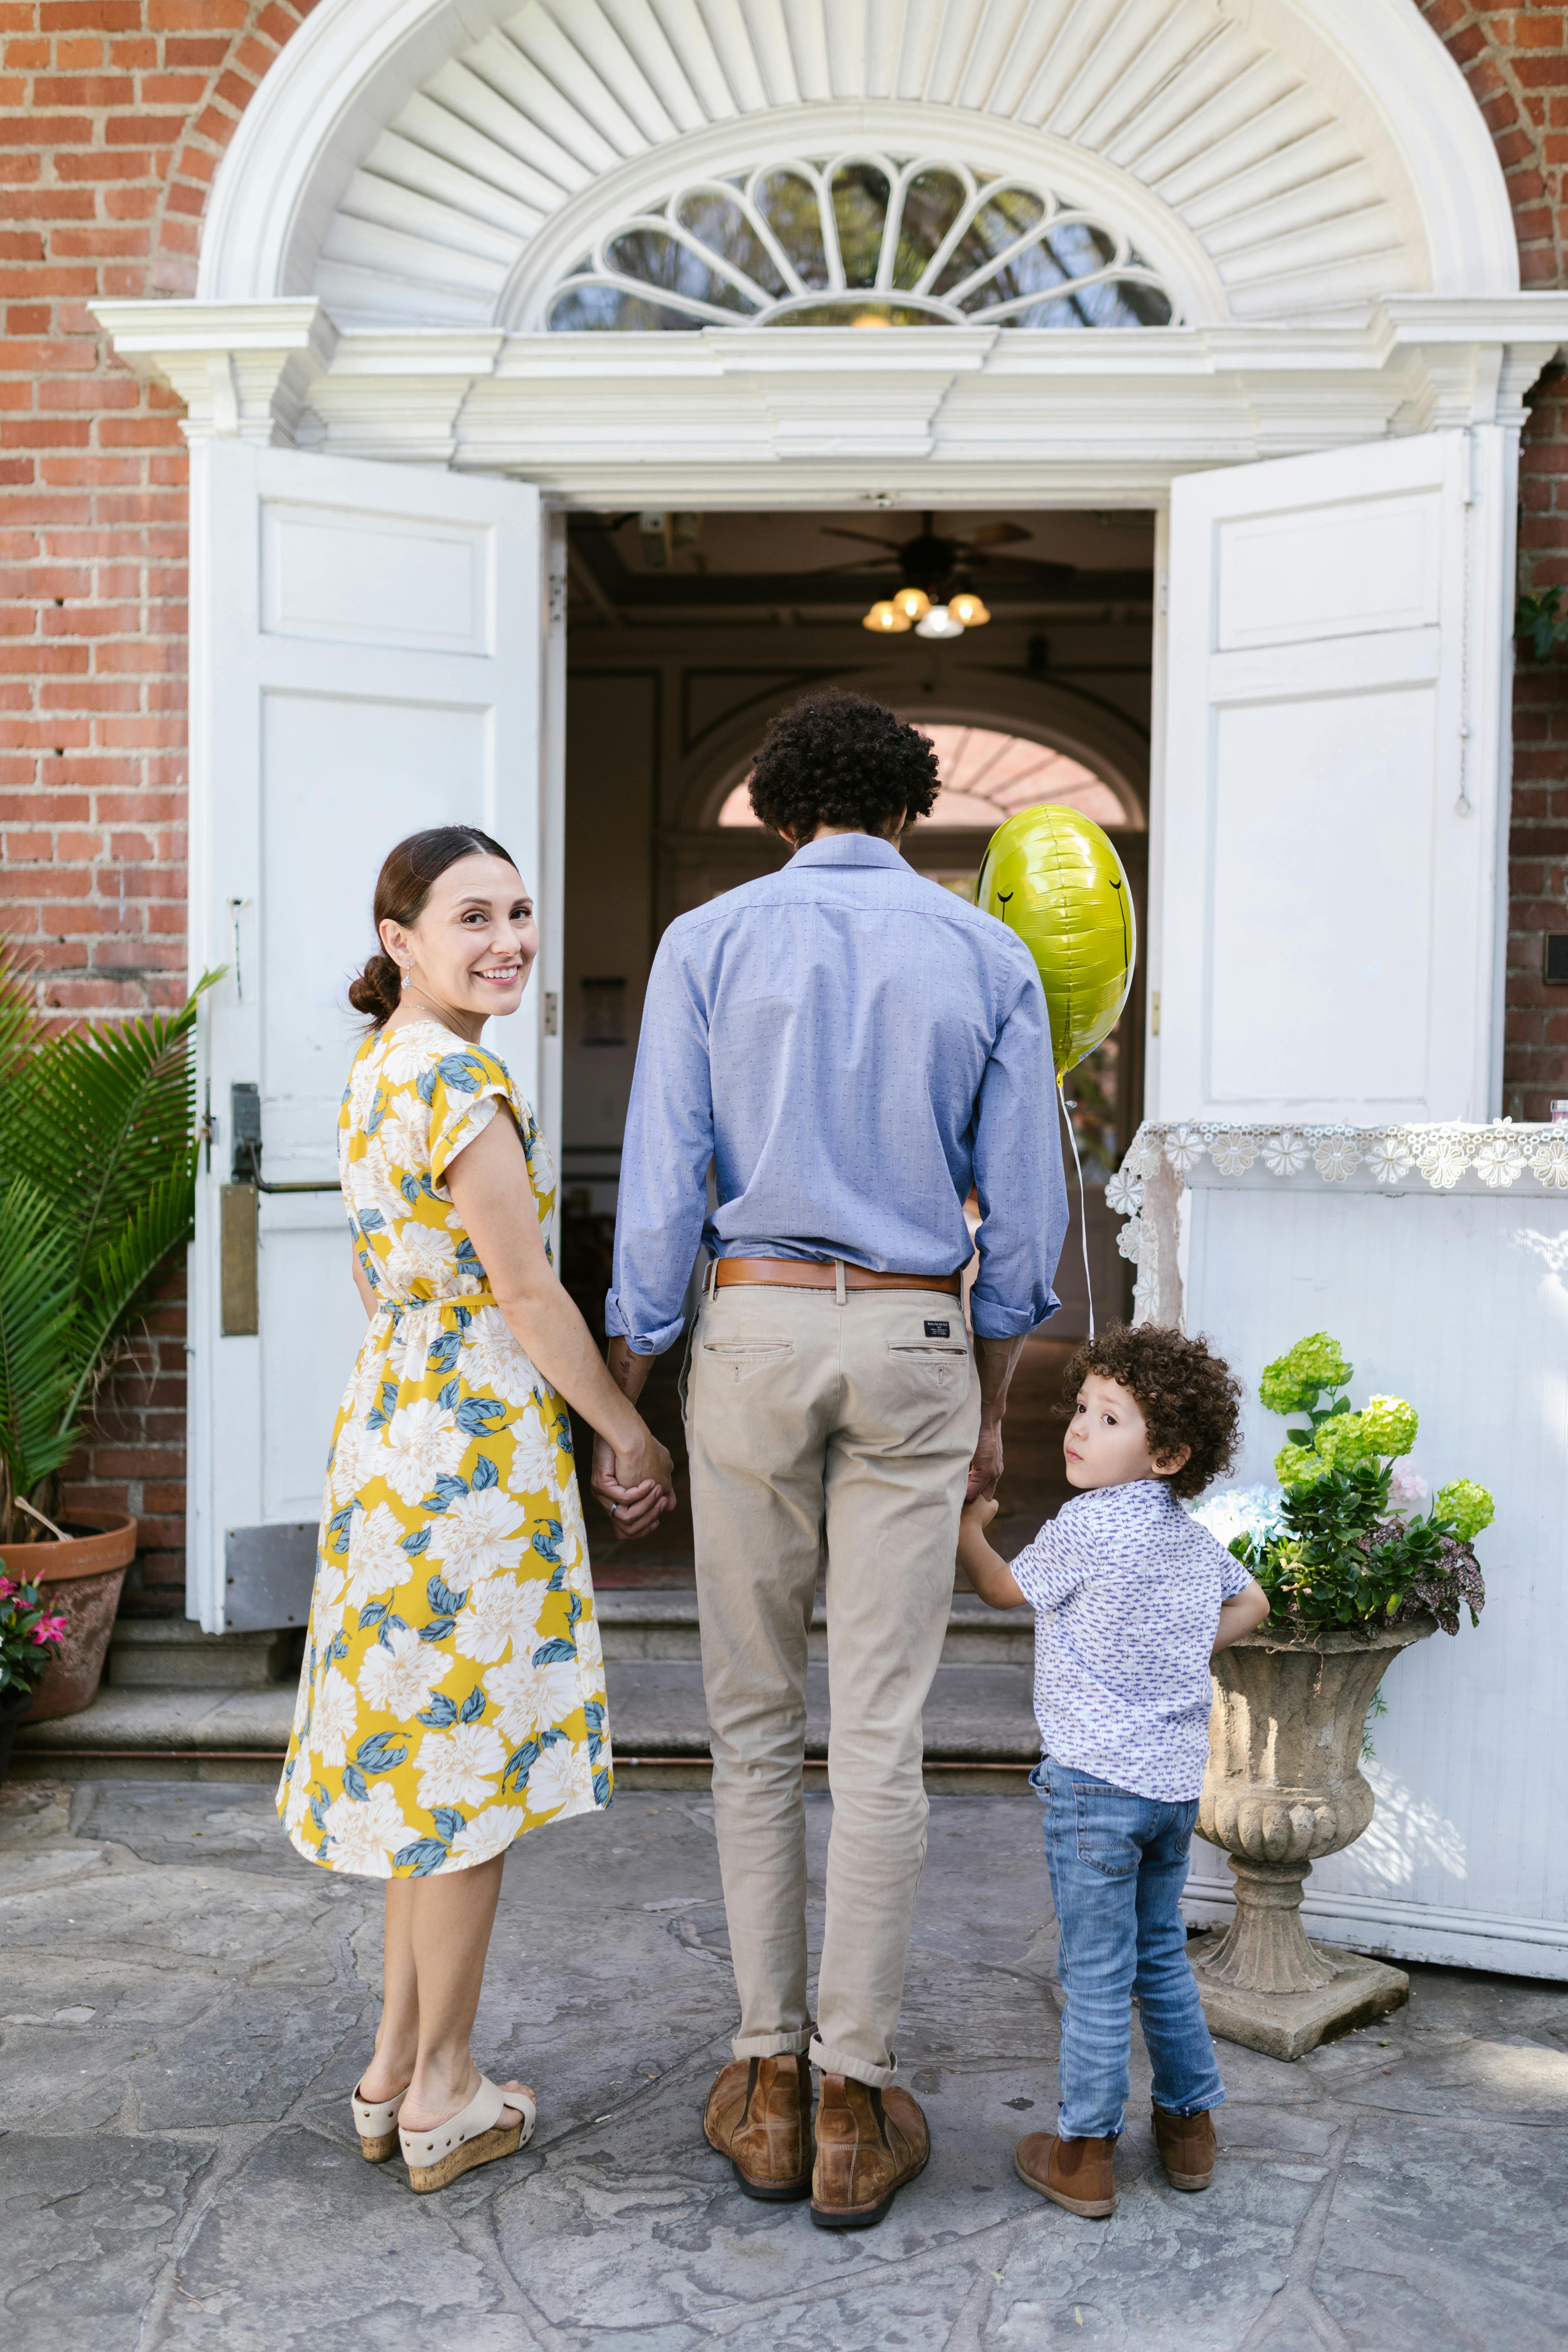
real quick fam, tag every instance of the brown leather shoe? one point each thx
(870, 2143)
(759, 2115)
(1072, 2173)
(1187, 2147)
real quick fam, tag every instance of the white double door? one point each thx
(374, 651)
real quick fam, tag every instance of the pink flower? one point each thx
(1407, 1489)
(6, 1587)
(49, 1629)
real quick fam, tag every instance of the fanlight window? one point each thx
(986, 778)
(860, 242)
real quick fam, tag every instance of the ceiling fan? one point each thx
(936, 595)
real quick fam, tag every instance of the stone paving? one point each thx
(184, 2006)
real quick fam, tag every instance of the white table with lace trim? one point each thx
(1437, 1256)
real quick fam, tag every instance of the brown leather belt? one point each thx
(811, 1274)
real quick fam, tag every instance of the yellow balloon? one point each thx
(1053, 876)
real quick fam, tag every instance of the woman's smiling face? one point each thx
(472, 946)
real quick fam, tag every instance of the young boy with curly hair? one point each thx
(1131, 1597)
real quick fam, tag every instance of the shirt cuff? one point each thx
(641, 1343)
(991, 1320)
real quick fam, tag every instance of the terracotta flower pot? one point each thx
(1284, 1788)
(82, 1577)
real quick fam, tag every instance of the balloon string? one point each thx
(1082, 1211)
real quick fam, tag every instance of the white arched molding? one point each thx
(402, 157)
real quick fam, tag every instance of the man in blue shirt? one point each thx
(850, 1048)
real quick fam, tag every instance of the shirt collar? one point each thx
(848, 849)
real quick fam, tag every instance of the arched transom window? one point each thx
(860, 241)
(986, 778)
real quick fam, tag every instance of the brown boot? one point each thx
(759, 2115)
(1187, 2147)
(869, 2144)
(1072, 2173)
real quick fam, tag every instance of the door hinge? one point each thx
(1154, 1014)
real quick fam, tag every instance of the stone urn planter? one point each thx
(81, 1578)
(1284, 1788)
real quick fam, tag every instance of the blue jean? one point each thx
(1118, 1865)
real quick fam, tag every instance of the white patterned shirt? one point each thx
(1126, 1590)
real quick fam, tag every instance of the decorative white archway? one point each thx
(402, 160)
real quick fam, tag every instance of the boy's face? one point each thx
(1106, 1440)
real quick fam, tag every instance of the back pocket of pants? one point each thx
(734, 1360)
(1101, 1844)
(942, 1360)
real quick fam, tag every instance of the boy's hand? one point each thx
(989, 1575)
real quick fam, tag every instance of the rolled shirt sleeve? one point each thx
(1018, 1177)
(664, 1163)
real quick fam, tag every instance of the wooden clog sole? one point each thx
(483, 2148)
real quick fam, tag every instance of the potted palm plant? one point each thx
(98, 1163)
(1358, 1565)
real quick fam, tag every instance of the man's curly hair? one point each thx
(1186, 1395)
(841, 758)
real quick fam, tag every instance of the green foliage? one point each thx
(99, 1153)
(1343, 1558)
(1543, 621)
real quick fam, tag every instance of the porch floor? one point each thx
(187, 2005)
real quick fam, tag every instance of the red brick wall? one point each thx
(1516, 62)
(113, 114)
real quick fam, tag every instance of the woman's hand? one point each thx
(635, 1483)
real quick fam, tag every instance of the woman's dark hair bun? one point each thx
(376, 991)
(402, 887)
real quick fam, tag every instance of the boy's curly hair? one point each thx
(1186, 1394)
(841, 758)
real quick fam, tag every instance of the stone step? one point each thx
(658, 1625)
(978, 1719)
(174, 1653)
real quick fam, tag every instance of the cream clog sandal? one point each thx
(377, 2126)
(474, 2136)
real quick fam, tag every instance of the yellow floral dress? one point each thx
(453, 1693)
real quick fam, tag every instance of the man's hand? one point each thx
(636, 1503)
(995, 1360)
(636, 1492)
(986, 1468)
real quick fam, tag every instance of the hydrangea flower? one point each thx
(1293, 1382)
(1296, 1467)
(1345, 1440)
(1390, 1423)
(1467, 1504)
(1250, 1511)
(1408, 1490)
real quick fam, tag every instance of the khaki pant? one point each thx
(818, 1424)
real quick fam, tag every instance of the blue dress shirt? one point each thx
(852, 1048)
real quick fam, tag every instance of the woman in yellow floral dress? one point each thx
(453, 1694)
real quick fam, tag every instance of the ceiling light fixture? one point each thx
(967, 608)
(912, 603)
(885, 620)
(939, 622)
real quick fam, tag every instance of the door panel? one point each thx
(367, 645)
(1333, 804)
